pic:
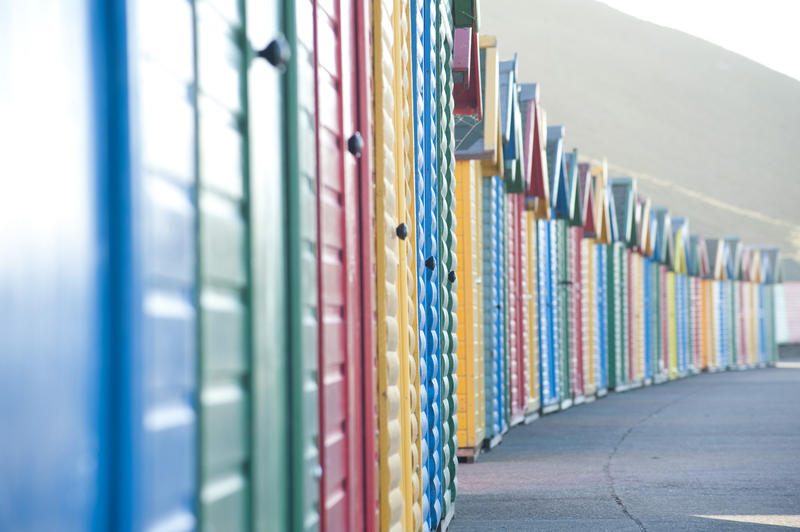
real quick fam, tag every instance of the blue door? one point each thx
(723, 326)
(500, 308)
(107, 295)
(648, 314)
(491, 300)
(549, 369)
(601, 325)
(423, 60)
(157, 348)
(761, 293)
(53, 282)
(680, 310)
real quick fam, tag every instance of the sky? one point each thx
(766, 31)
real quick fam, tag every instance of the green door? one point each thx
(257, 342)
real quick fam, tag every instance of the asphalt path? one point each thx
(725, 445)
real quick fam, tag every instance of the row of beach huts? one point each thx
(294, 259)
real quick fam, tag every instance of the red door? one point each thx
(520, 304)
(346, 400)
(576, 336)
(522, 300)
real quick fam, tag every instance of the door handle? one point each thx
(277, 53)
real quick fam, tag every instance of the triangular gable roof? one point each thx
(693, 257)
(535, 132)
(511, 127)
(603, 215)
(638, 206)
(477, 139)
(562, 199)
(467, 93)
(733, 257)
(664, 243)
(746, 264)
(612, 214)
(770, 264)
(715, 247)
(586, 199)
(644, 236)
(652, 230)
(555, 147)
(574, 201)
(755, 266)
(703, 264)
(622, 191)
(680, 235)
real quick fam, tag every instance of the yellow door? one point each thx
(672, 331)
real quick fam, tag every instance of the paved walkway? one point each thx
(724, 445)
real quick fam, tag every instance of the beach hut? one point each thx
(344, 282)
(700, 269)
(548, 261)
(680, 235)
(733, 273)
(174, 271)
(448, 323)
(618, 356)
(653, 288)
(668, 343)
(750, 277)
(588, 280)
(717, 254)
(537, 207)
(559, 186)
(648, 318)
(402, 283)
(624, 192)
(479, 139)
(468, 98)
(771, 276)
(604, 307)
(576, 337)
(428, 134)
(515, 242)
(711, 308)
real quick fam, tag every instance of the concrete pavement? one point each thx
(724, 444)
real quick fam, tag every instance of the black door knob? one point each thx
(451, 276)
(401, 231)
(499, 306)
(430, 263)
(355, 144)
(277, 53)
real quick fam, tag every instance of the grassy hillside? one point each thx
(711, 134)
